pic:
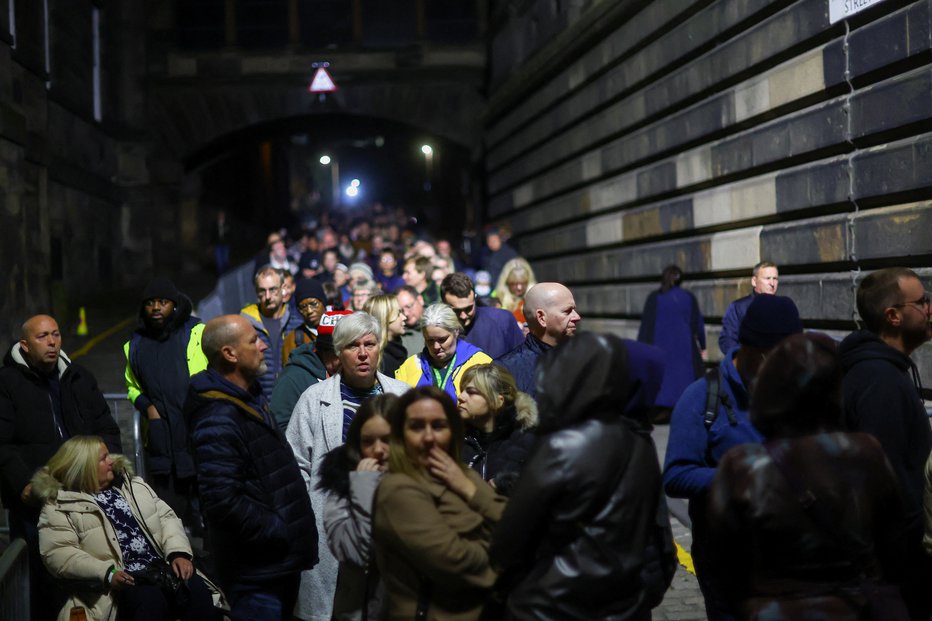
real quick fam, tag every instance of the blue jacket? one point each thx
(495, 331)
(521, 362)
(693, 451)
(252, 494)
(289, 321)
(731, 323)
(416, 370)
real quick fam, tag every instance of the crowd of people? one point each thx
(384, 435)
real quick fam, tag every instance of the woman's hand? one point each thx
(368, 464)
(121, 580)
(443, 467)
(182, 567)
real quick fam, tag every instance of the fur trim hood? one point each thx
(45, 487)
(334, 472)
(15, 358)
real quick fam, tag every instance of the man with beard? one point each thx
(161, 356)
(883, 397)
(272, 320)
(493, 330)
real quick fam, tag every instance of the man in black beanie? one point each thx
(711, 417)
(161, 355)
(311, 302)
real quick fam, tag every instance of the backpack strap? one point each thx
(714, 395)
(216, 394)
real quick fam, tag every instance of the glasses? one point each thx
(466, 310)
(310, 304)
(923, 302)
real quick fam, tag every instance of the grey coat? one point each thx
(316, 427)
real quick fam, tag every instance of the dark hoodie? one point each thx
(582, 524)
(499, 455)
(158, 359)
(883, 397)
(304, 369)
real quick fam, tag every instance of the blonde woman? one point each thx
(499, 424)
(112, 541)
(387, 311)
(514, 281)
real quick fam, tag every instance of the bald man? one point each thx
(262, 528)
(551, 316)
(44, 400)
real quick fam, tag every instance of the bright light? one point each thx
(325, 159)
(354, 183)
(427, 150)
(352, 191)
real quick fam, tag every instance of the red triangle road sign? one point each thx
(322, 82)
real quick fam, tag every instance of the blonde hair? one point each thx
(74, 464)
(517, 266)
(492, 380)
(384, 308)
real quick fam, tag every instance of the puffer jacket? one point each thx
(498, 456)
(289, 321)
(78, 542)
(521, 362)
(252, 494)
(580, 537)
(348, 524)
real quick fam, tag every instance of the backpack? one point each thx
(714, 396)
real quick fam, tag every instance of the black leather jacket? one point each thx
(586, 530)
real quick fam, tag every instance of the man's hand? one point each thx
(152, 413)
(27, 492)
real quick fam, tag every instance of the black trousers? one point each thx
(147, 603)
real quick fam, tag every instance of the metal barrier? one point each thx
(14, 582)
(130, 422)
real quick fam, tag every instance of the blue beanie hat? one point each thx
(769, 320)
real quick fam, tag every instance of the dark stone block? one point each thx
(908, 229)
(657, 179)
(890, 39)
(833, 63)
(812, 185)
(898, 167)
(900, 101)
(808, 242)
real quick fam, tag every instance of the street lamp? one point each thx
(326, 160)
(428, 152)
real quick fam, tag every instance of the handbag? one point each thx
(882, 601)
(160, 574)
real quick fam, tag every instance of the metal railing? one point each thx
(130, 422)
(14, 582)
(234, 290)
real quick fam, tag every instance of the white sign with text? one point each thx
(843, 9)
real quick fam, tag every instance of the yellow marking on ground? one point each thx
(685, 559)
(100, 337)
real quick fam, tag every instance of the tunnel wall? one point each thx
(713, 135)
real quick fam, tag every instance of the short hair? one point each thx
(218, 333)
(441, 316)
(353, 327)
(267, 270)
(457, 284)
(798, 388)
(879, 291)
(757, 268)
(398, 459)
(74, 464)
(379, 405)
(422, 264)
(409, 290)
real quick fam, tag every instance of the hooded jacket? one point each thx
(304, 369)
(156, 376)
(580, 537)
(882, 397)
(28, 436)
(78, 542)
(257, 509)
(499, 455)
(416, 370)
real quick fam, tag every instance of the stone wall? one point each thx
(713, 135)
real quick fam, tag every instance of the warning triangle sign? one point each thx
(322, 82)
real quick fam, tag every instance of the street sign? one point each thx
(843, 9)
(322, 82)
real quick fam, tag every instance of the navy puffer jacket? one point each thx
(252, 494)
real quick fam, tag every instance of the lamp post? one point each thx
(428, 152)
(326, 160)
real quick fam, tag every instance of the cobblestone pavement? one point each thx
(683, 601)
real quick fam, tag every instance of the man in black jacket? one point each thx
(44, 400)
(262, 528)
(883, 397)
